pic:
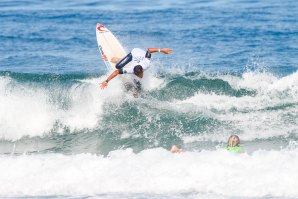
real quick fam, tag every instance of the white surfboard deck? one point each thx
(110, 47)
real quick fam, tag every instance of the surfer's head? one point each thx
(138, 71)
(233, 141)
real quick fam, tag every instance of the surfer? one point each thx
(140, 61)
(233, 145)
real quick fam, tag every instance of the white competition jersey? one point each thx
(138, 58)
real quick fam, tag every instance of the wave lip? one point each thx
(39, 108)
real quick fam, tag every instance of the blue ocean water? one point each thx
(58, 37)
(233, 70)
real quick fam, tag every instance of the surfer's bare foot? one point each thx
(136, 94)
(115, 59)
(175, 149)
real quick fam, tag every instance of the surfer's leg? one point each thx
(175, 149)
(134, 87)
(138, 85)
(128, 86)
(115, 59)
(124, 61)
(137, 88)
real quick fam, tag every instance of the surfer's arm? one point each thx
(162, 50)
(104, 84)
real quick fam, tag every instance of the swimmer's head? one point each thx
(138, 71)
(233, 141)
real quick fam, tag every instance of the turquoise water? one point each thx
(233, 71)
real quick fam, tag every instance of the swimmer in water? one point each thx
(233, 145)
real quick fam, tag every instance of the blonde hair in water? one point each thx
(233, 141)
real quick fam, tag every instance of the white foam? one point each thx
(264, 82)
(259, 81)
(155, 171)
(151, 82)
(23, 111)
(251, 116)
(27, 110)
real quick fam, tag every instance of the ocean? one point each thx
(233, 70)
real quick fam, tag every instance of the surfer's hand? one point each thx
(103, 84)
(166, 50)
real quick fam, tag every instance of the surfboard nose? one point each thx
(101, 28)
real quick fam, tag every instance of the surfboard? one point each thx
(109, 46)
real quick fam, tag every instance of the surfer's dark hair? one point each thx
(138, 69)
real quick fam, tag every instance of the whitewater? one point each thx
(156, 172)
(65, 143)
